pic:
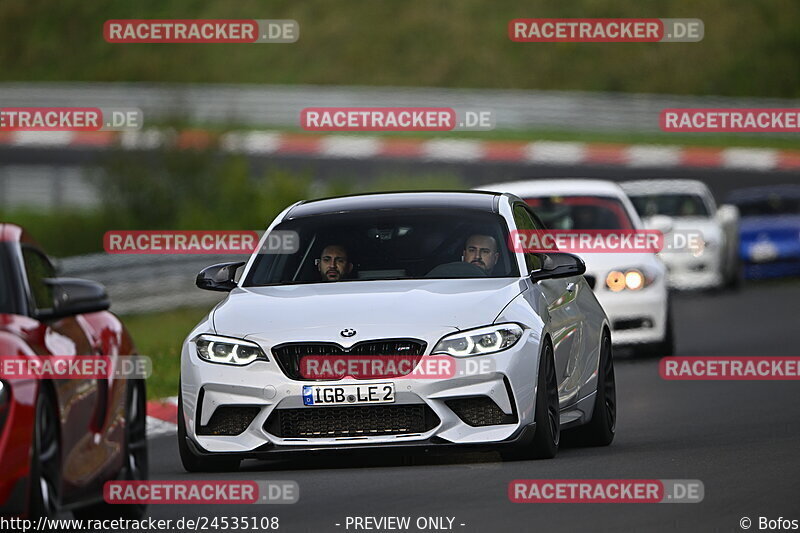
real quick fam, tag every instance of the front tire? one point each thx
(600, 430)
(548, 418)
(547, 434)
(45, 480)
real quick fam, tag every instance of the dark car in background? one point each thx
(769, 230)
(62, 439)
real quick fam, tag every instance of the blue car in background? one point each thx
(769, 229)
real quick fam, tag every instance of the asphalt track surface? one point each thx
(741, 439)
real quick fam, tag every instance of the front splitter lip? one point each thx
(523, 436)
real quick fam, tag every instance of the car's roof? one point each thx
(557, 187)
(483, 201)
(662, 186)
(764, 191)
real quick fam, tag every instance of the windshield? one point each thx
(581, 212)
(771, 206)
(390, 244)
(671, 205)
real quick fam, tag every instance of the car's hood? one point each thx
(709, 228)
(459, 304)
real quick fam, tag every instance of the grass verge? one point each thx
(160, 336)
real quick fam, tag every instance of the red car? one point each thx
(62, 439)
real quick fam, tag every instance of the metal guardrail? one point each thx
(147, 283)
(272, 105)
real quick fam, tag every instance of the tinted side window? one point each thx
(524, 221)
(6, 298)
(38, 268)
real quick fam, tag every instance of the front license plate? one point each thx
(348, 394)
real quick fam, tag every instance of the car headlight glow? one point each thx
(615, 280)
(634, 280)
(227, 350)
(697, 246)
(481, 341)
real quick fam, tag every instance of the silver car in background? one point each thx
(674, 206)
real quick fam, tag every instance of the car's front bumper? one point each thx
(506, 378)
(637, 317)
(687, 272)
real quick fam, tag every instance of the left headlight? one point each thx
(227, 350)
(481, 341)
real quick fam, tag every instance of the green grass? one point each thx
(62, 232)
(160, 337)
(750, 48)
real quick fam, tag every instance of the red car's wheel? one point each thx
(45, 482)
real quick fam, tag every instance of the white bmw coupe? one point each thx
(523, 348)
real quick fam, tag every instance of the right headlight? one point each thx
(698, 246)
(227, 350)
(480, 341)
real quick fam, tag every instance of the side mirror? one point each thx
(728, 214)
(74, 297)
(219, 277)
(559, 265)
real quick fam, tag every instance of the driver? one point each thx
(481, 251)
(334, 263)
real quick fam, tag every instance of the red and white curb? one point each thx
(438, 149)
(162, 417)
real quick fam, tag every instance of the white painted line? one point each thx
(350, 147)
(653, 156)
(42, 138)
(158, 428)
(560, 153)
(251, 142)
(142, 139)
(453, 150)
(750, 158)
